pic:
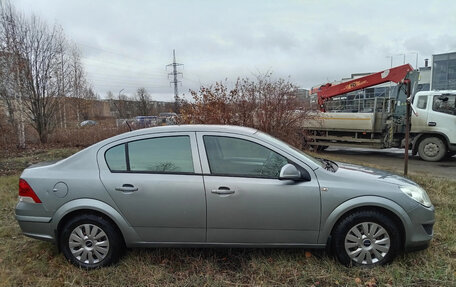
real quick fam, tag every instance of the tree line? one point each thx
(39, 66)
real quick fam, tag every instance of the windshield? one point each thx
(284, 145)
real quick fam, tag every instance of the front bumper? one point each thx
(420, 231)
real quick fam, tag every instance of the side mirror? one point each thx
(290, 172)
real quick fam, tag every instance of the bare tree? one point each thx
(119, 105)
(79, 87)
(12, 76)
(122, 106)
(63, 81)
(43, 58)
(86, 107)
(110, 95)
(143, 102)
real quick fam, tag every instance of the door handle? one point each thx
(223, 190)
(127, 188)
(432, 124)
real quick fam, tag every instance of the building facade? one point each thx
(444, 71)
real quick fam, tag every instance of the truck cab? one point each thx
(433, 126)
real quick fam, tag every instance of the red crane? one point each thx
(396, 75)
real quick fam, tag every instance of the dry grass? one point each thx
(14, 163)
(71, 136)
(29, 262)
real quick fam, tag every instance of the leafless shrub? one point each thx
(265, 104)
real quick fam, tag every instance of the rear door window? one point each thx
(164, 155)
(154, 155)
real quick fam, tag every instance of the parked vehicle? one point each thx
(379, 122)
(218, 186)
(168, 118)
(146, 121)
(87, 123)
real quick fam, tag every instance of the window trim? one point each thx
(240, 175)
(127, 157)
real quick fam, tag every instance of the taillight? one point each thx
(26, 192)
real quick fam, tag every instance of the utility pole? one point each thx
(407, 125)
(175, 80)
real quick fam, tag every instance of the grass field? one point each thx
(28, 262)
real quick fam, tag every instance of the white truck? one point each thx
(379, 122)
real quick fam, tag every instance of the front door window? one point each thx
(239, 157)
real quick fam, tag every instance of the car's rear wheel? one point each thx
(90, 241)
(366, 238)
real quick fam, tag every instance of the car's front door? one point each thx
(246, 202)
(156, 183)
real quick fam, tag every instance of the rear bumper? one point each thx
(36, 229)
(38, 225)
(420, 231)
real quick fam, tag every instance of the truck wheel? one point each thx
(432, 149)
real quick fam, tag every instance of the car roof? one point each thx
(202, 128)
(188, 128)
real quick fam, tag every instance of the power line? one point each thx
(124, 55)
(135, 77)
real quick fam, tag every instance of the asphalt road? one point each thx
(394, 159)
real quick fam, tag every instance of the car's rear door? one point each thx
(155, 181)
(246, 202)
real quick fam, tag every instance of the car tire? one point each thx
(90, 241)
(432, 149)
(366, 238)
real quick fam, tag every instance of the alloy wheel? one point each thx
(367, 243)
(88, 243)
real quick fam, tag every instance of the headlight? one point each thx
(417, 193)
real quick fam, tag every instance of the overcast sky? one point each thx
(127, 44)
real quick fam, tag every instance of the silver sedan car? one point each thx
(218, 186)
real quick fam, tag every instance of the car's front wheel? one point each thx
(366, 238)
(90, 241)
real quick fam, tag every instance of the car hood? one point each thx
(357, 173)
